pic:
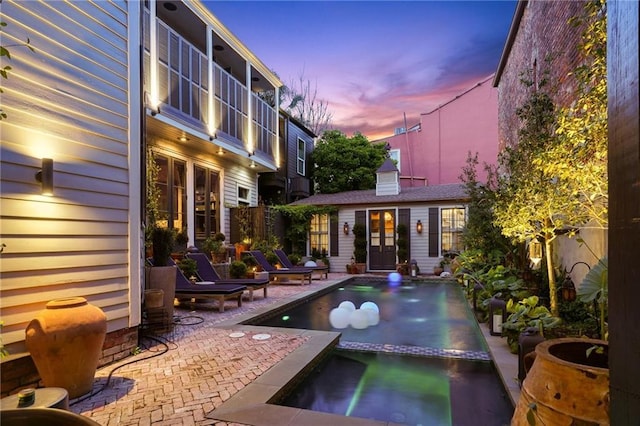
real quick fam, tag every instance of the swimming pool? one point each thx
(425, 363)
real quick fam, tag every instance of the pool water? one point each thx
(425, 363)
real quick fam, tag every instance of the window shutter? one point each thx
(434, 232)
(333, 234)
(404, 218)
(361, 217)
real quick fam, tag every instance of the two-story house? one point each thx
(107, 84)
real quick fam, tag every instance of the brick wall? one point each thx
(543, 32)
(18, 371)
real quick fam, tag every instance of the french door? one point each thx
(382, 240)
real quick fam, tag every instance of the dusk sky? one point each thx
(374, 61)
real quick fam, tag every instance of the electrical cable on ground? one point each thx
(191, 320)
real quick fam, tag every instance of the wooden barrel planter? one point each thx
(565, 386)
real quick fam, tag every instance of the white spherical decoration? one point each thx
(373, 317)
(310, 264)
(339, 318)
(370, 305)
(348, 305)
(359, 319)
(395, 277)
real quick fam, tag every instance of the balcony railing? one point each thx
(182, 80)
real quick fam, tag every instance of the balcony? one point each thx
(300, 187)
(222, 94)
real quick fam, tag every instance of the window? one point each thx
(453, 221)
(172, 206)
(243, 196)
(319, 234)
(394, 154)
(206, 196)
(301, 156)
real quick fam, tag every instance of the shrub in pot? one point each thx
(526, 313)
(360, 246)
(238, 269)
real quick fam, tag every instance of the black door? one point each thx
(382, 240)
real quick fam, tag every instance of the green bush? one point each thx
(526, 313)
(237, 269)
(360, 243)
(163, 239)
(189, 267)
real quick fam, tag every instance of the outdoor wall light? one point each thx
(419, 227)
(45, 176)
(345, 228)
(535, 251)
(220, 151)
(253, 164)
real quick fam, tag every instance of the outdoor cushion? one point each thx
(274, 274)
(284, 259)
(207, 272)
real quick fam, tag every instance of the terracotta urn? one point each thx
(568, 384)
(65, 341)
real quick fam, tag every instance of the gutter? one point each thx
(513, 31)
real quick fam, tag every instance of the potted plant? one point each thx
(238, 269)
(214, 245)
(162, 275)
(189, 268)
(526, 313)
(403, 252)
(439, 268)
(360, 247)
(181, 240)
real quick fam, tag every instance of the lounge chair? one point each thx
(323, 270)
(276, 274)
(207, 272)
(186, 289)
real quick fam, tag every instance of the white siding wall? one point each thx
(69, 101)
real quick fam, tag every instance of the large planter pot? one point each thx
(65, 341)
(163, 278)
(565, 386)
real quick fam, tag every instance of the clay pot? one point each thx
(565, 386)
(65, 341)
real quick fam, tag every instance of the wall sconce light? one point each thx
(345, 228)
(419, 227)
(535, 251)
(45, 176)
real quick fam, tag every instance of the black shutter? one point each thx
(434, 231)
(361, 217)
(333, 234)
(404, 218)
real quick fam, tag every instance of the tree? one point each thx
(300, 99)
(480, 233)
(344, 164)
(529, 206)
(555, 178)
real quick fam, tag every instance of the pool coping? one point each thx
(251, 404)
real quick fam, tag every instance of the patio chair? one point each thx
(277, 274)
(186, 289)
(323, 270)
(207, 272)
